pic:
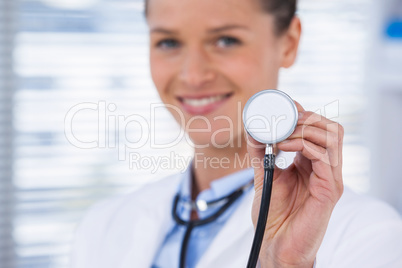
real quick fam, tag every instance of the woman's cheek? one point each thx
(159, 73)
(241, 71)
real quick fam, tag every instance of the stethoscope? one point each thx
(202, 205)
(269, 117)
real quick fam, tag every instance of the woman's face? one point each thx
(208, 58)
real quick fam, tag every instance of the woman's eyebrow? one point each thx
(228, 27)
(162, 30)
(213, 30)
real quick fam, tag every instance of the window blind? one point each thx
(81, 66)
(7, 88)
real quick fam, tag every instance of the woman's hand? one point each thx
(303, 195)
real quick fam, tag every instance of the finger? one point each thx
(319, 159)
(254, 147)
(299, 107)
(318, 163)
(317, 120)
(303, 164)
(256, 152)
(325, 189)
(316, 135)
(333, 140)
(328, 140)
(317, 154)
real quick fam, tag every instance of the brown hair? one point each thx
(282, 10)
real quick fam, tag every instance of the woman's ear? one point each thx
(291, 40)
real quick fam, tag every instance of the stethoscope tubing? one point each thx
(191, 224)
(269, 166)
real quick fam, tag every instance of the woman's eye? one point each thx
(168, 44)
(227, 41)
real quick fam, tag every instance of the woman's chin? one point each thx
(207, 142)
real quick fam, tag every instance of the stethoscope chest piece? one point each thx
(270, 116)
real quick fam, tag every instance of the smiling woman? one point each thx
(210, 68)
(207, 59)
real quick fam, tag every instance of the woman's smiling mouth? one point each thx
(201, 105)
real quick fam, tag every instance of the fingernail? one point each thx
(301, 114)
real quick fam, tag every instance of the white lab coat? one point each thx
(127, 231)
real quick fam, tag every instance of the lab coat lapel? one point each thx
(231, 246)
(151, 226)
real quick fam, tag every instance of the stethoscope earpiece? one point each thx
(270, 116)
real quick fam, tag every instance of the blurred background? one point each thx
(75, 93)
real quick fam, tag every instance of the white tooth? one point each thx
(203, 101)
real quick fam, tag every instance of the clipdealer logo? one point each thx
(113, 131)
(113, 128)
(154, 164)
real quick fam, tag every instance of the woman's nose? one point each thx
(196, 70)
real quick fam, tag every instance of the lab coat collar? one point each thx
(238, 232)
(150, 230)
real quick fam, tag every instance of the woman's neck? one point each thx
(210, 164)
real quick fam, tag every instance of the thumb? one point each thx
(256, 151)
